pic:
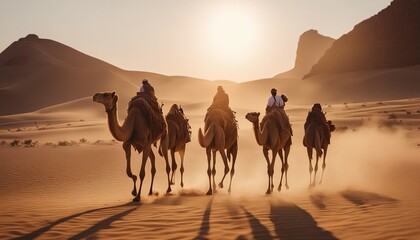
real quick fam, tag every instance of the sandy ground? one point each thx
(369, 189)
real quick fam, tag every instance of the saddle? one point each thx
(226, 109)
(150, 108)
(183, 124)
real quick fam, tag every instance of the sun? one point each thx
(231, 32)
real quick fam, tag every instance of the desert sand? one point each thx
(66, 187)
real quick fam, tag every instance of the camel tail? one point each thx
(207, 138)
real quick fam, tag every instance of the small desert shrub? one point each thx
(341, 129)
(392, 116)
(49, 144)
(63, 143)
(408, 112)
(379, 103)
(19, 130)
(30, 143)
(83, 140)
(15, 143)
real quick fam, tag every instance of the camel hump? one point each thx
(224, 115)
(182, 124)
(153, 116)
(279, 116)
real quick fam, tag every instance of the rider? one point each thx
(221, 101)
(147, 88)
(275, 101)
(319, 117)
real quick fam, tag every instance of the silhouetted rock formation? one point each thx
(389, 39)
(311, 47)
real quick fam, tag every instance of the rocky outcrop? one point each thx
(389, 39)
(311, 47)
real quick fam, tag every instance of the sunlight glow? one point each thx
(232, 33)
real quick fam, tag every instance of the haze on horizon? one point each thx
(233, 40)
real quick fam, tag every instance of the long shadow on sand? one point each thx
(361, 198)
(293, 222)
(259, 231)
(205, 223)
(100, 225)
(318, 199)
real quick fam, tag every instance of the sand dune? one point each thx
(82, 191)
(73, 184)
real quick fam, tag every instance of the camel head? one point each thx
(253, 117)
(108, 99)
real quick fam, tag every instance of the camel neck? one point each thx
(120, 133)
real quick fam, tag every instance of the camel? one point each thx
(135, 132)
(274, 134)
(177, 139)
(315, 138)
(221, 133)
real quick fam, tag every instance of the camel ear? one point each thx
(113, 93)
(258, 114)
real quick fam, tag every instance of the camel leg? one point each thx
(208, 153)
(265, 152)
(213, 171)
(181, 155)
(309, 150)
(282, 169)
(286, 161)
(164, 148)
(316, 170)
(225, 162)
(153, 170)
(323, 163)
(174, 166)
(234, 152)
(127, 150)
(273, 161)
(146, 153)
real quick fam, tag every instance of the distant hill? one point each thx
(390, 39)
(311, 47)
(45, 76)
(36, 73)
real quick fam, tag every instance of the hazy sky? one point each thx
(235, 40)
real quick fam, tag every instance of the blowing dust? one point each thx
(369, 158)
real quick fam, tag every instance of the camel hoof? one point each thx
(220, 185)
(134, 193)
(229, 191)
(214, 191)
(182, 185)
(268, 192)
(169, 190)
(287, 186)
(209, 192)
(279, 189)
(136, 199)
